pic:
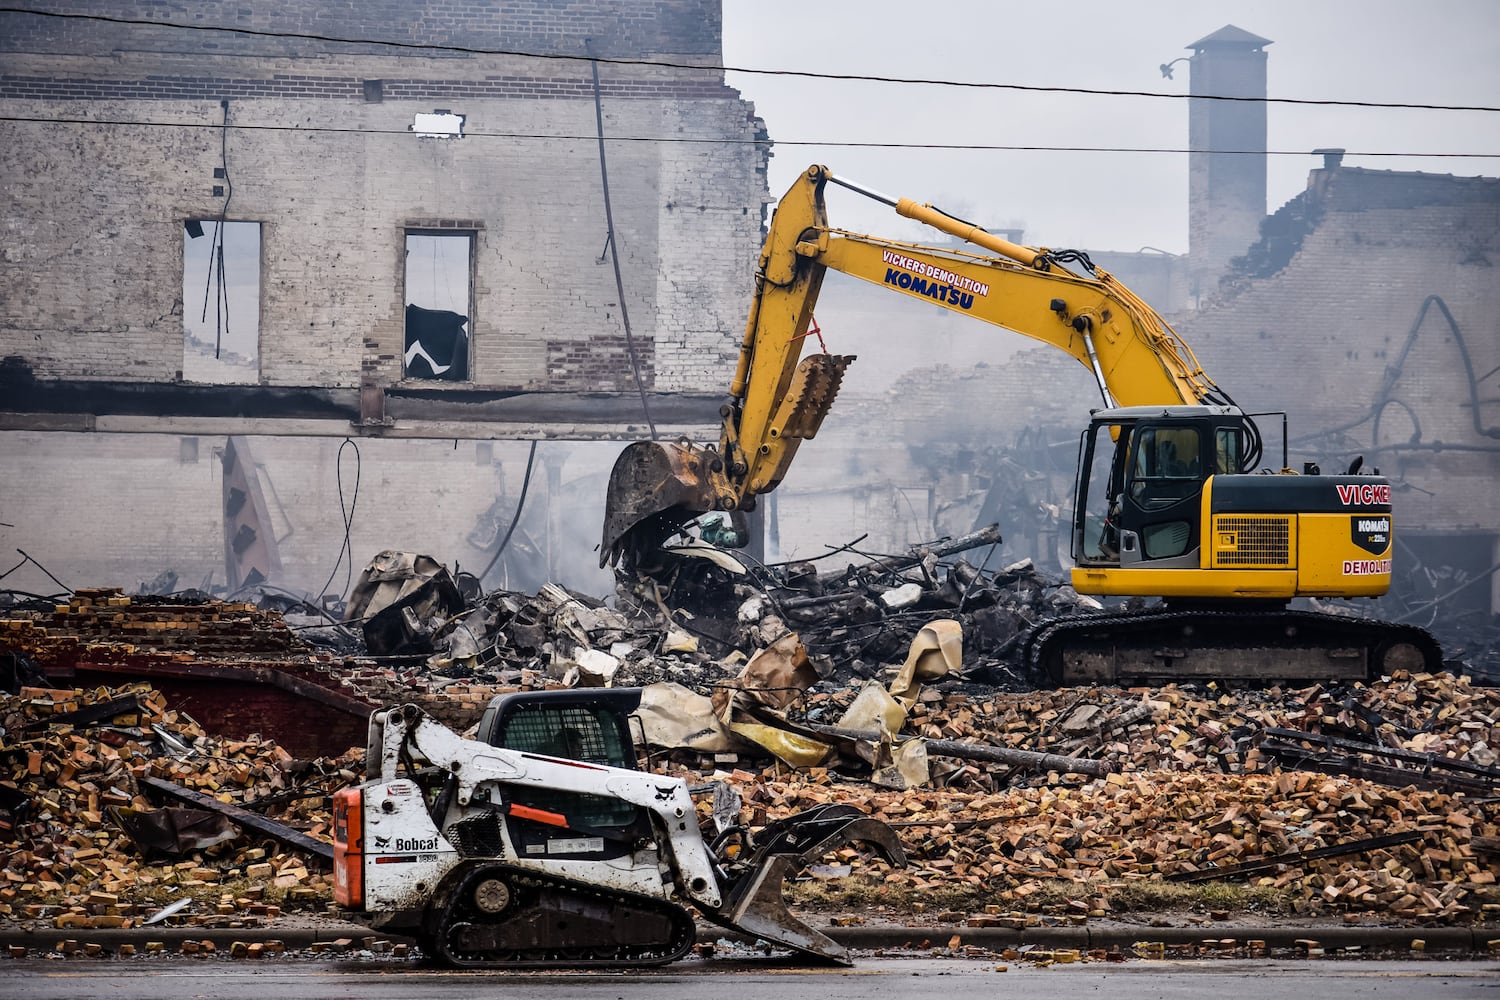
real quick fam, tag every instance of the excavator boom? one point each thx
(778, 398)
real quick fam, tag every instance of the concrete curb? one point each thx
(894, 937)
(45, 938)
(1087, 938)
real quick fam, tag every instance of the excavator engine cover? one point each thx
(654, 489)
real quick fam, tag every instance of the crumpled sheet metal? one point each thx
(937, 651)
(674, 716)
(775, 677)
(899, 765)
(790, 748)
(173, 831)
(749, 709)
(388, 578)
(874, 710)
(403, 599)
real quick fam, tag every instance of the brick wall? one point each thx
(94, 236)
(319, 152)
(1332, 338)
(114, 510)
(620, 28)
(237, 709)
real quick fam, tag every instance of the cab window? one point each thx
(1167, 466)
(1226, 451)
(1167, 453)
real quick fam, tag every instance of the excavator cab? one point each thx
(1141, 475)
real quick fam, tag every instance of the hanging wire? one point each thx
(215, 278)
(348, 516)
(515, 519)
(753, 70)
(613, 246)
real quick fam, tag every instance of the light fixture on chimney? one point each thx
(1166, 67)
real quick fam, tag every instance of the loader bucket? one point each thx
(654, 489)
(754, 903)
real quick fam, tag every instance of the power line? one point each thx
(803, 74)
(725, 141)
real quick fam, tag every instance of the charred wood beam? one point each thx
(1334, 762)
(245, 818)
(31, 403)
(942, 548)
(90, 715)
(1296, 857)
(803, 603)
(1030, 760)
(1427, 760)
(97, 397)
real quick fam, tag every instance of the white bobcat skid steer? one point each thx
(541, 844)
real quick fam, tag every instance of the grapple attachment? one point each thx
(654, 489)
(753, 902)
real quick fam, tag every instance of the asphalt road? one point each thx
(871, 979)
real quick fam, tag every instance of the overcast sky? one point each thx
(1440, 52)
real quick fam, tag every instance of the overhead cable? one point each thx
(729, 141)
(699, 67)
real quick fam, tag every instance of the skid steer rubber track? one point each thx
(495, 916)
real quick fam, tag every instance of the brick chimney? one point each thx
(1226, 189)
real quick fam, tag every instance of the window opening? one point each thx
(438, 267)
(220, 301)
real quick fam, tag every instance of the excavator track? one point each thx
(496, 916)
(1202, 644)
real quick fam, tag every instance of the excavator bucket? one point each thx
(654, 489)
(754, 903)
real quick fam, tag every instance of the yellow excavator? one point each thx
(1168, 499)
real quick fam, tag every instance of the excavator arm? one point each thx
(778, 398)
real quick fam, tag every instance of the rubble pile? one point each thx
(889, 685)
(1338, 844)
(87, 847)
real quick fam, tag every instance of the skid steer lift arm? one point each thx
(439, 860)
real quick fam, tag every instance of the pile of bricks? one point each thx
(208, 627)
(69, 863)
(1089, 838)
(1192, 795)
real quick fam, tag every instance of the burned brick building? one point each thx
(403, 223)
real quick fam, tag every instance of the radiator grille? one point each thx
(477, 837)
(1252, 540)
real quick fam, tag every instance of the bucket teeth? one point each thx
(815, 385)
